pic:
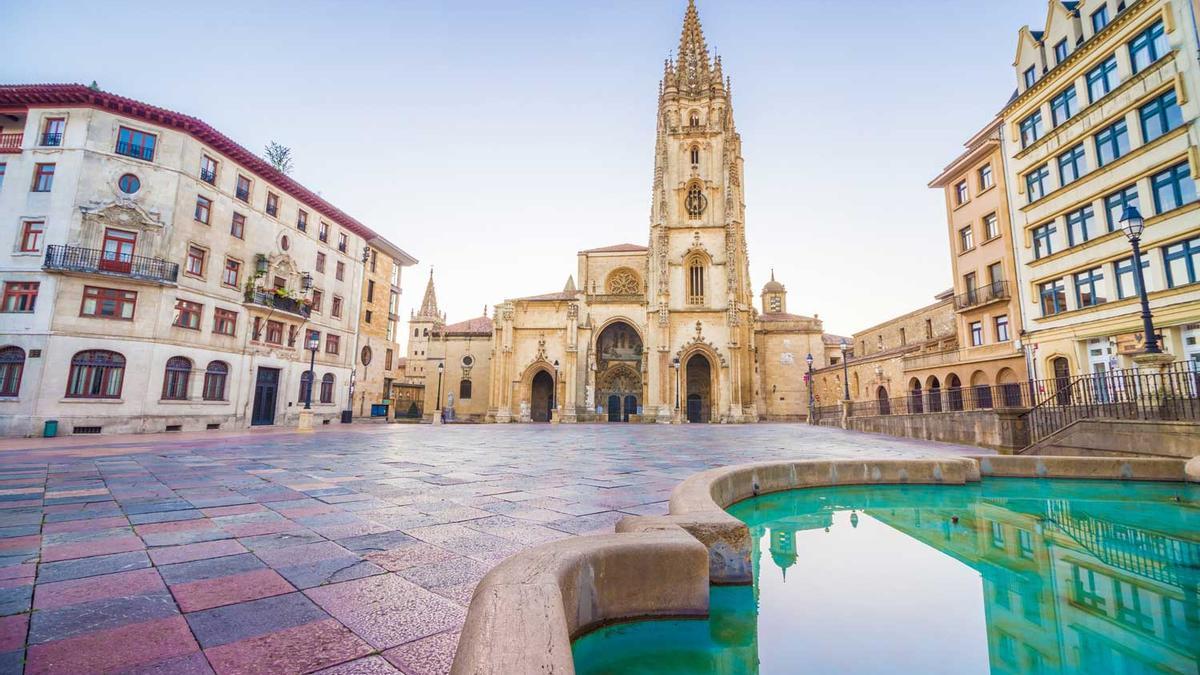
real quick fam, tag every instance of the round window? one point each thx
(129, 184)
(366, 356)
(468, 360)
(284, 242)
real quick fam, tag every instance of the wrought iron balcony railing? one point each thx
(94, 261)
(145, 152)
(52, 140)
(208, 176)
(281, 303)
(997, 290)
(243, 194)
(11, 142)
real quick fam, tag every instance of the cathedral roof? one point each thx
(782, 316)
(480, 325)
(773, 286)
(561, 295)
(429, 308)
(831, 339)
(618, 248)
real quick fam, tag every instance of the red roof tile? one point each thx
(619, 248)
(480, 325)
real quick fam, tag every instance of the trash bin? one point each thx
(346, 415)
(50, 430)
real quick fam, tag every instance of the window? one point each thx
(367, 316)
(1148, 47)
(1081, 226)
(272, 204)
(371, 290)
(1060, 51)
(695, 286)
(1116, 203)
(1054, 297)
(195, 261)
(327, 388)
(1030, 76)
(966, 239)
(928, 329)
(1127, 281)
(1099, 19)
(108, 303)
(995, 276)
(972, 285)
(208, 169)
(960, 193)
(96, 374)
(374, 259)
(320, 261)
(1071, 165)
(1102, 79)
(305, 386)
(464, 390)
(323, 231)
(203, 209)
(232, 273)
(215, 377)
(175, 379)
(43, 178)
(1112, 143)
(1182, 261)
(302, 220)
(274, 332)
(52, 131)
(1160, 116)
(695, 155)
(317, 300)
(1037, 182)
(1043, 240)
(224, 321)
(129, 184)
(1089, 288)
(237, 226)
(1173, 188)
(136, 144)
(243, 188)
(1002, 329)
(991, 226)
(336, 307)
(19, 296)
(33, 232)
(976, 333)
(343, 242)
(187, 314)
(1031, 129)
(986, 179)
(3, 169)
(332, 343)
(339, 270)
(12, 366)
(1064, 106)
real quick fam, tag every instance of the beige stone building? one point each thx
(159, 276)
(378, 350)
(1104, 119)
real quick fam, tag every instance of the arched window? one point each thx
(695, 154)
(175, 379)
(96, 373)
(12, 365)
(696, 202)
(215, 377)
(426, 332)
(327, 388)
(695, 280)
(464, 390)
(305, 385)
(694, 119)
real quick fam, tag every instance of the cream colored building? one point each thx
(1104, 118)
(155, 273)
(379, 331)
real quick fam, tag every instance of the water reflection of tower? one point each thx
(783, 548)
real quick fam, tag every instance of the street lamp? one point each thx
(809, 381)
(675, 363)
(313, 344)
(438, 401)
(845, 370)
(554, 401)
(1133, 225)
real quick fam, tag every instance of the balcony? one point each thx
(984, 295)
(208, 176)
(243, 193)
(277, 302)
(136, 151)
(51, 140)
(11, 142)
(94, 261)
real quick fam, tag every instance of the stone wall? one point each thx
(1123, 438)
(1001, 430)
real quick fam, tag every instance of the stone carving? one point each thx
(624, 282)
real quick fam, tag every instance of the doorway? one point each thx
(1062, 379)
(630, 408)
(699, 389)
(614, 408)
(117, 251)
(541, 397)
(266, 391)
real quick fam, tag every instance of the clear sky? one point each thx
(493, 140)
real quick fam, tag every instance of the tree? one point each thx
(279, 156)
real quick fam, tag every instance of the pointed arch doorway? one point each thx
(698, 383)
(619, 370)
(541, 397)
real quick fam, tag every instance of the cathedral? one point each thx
(665, 332)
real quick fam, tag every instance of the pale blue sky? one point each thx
(493, 140)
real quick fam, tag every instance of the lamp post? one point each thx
(808, 379)
(845, 371)
(554, 402)
(312, 343)
(437, 401)
(1133, 225)
(678, 384)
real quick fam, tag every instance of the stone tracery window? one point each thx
(695, 280)
(624, 282)
(695, 154)
(696, 202)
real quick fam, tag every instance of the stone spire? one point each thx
(429, 307)
(693, 67)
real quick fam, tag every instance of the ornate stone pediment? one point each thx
(123, 213)
(701, 341)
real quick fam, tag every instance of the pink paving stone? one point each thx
(429, 656)
(13, 583)
(114, 650)
(255, 529)
(236, 510)
(24, 503)
(372, 665)
(75, 591)
(207, 593)
(200, 551)
(418, 553)
(23, 571)
(12, 632)
(302, 649)
(174, 526)
(29, 541)
(189, 664)
(85, 549)
(304, 553)
(307, 511)
(387, 610)
(85, 525)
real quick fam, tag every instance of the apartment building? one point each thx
(159, 276)
(379, 352)
(1103, 122)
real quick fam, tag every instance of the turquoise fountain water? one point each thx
(1003, 576)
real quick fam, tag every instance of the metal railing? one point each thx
(91, 260)
(136, 151)
(51, 139)
(828, 414)
(208, 176)
(11, 142)
(281, 303)
(1018, 395)
(243, 194)
(1131, 394)
(997, 290)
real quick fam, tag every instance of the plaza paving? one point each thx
(352, 549)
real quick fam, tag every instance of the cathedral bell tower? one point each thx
(698, 283)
